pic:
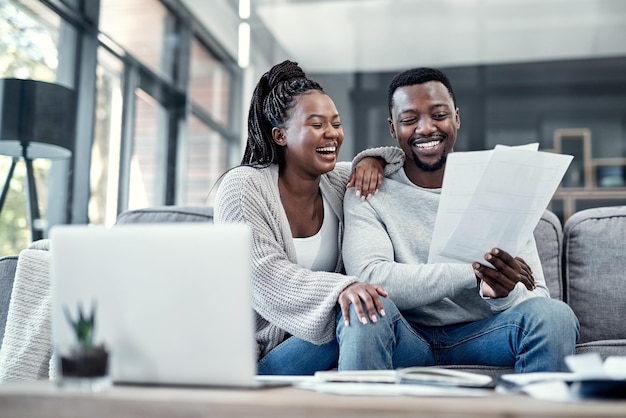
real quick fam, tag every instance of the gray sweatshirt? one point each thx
(387, 240)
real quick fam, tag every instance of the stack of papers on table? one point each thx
(414, 381)
(423, 375)
(590, 377)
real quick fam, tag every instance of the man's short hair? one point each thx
(418, 76)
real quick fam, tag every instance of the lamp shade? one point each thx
(37, 119)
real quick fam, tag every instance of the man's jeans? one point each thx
(298, 357)
(535, 335)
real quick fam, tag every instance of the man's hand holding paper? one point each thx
(499, 281)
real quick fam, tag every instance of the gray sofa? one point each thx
(584, 263)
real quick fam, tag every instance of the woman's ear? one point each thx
(278, 135)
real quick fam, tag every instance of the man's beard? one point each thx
(430, 167)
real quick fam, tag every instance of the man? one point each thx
(444, 313)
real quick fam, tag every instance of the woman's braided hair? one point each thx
(272, 98)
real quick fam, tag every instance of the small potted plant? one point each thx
(84, 360)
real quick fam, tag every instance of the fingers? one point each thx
(381, 291)
(346, 298)
(526, 281)
(515, 268)
(356, 181)
(502, 273)
(367, 183)
(367, 177)
(344, 304)
(498, 285)
(371, 184)
(507, 272)
(526, 268)
(362, 295)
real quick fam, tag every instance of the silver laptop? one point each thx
(173, 301)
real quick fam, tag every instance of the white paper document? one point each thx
(417, 375)
(391, 389)
(493, 199)
(590, 377)
(408, 381)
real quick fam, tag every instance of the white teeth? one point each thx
(326, 149)
(427, 144)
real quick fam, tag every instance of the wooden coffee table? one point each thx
(44, 399)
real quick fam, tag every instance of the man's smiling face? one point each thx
(424, 121)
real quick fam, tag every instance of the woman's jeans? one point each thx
(533, 336)
(298, 357)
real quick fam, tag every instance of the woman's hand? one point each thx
(367, 176)
(499, 281)
(358, 294)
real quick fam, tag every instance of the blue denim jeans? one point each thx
(535, 335)
(299, 357)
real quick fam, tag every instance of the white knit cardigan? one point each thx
(288, 299)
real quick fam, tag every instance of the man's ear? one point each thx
(458, 118)
(392, 129)
(279, 136)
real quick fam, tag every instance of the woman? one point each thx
(289, 188)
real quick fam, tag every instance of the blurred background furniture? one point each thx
(37, 120)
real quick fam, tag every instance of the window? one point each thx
(204, 156)
(148, 159)
(159, 128)
(210, 84)
(205, 159)
(30, 35)
(106, 148)
(144, 28)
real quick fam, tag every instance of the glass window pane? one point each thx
(210, 83)
(29, 37)
(148, 165)
(29, 34)
(143, 28)
(105, 152)
(206, 158)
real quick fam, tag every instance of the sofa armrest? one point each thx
(549, 238)
(26, 350)
(7, 274)
(595, 265)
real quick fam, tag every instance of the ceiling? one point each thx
(331, 36)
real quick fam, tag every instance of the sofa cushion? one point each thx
(605, 348)
(549, 237)
(595, 265)
(167, 214)
(7, 274)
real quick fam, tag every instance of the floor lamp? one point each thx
(37, 120)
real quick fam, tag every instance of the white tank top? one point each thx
(320, 251)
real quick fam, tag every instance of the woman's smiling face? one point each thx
(312, 135)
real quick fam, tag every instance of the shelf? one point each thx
(589, 182)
